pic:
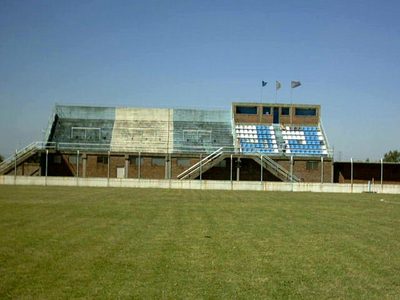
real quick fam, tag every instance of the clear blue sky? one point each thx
(204, 54)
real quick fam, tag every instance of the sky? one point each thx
(206, 55)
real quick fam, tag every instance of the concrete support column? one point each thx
(291, 168)
(126, 165)
(77, 163)
(108, 165)
(167, 163)
(47, 163)
(84, 164)
(201, 167)
(322, 169)
(231, 167)
(139, 165)
(238, 162)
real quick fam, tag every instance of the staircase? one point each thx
(275, 169)
(278, 135)
(71, 167)
(203, 165)
(20, 156)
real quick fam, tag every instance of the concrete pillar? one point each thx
(166, 173)
(322, 169)
(139, 165)
(231, 167)
(84, 164)
(126, 165)
(238, 162)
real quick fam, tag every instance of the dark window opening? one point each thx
(158, 161)
(312, 165)
(134, 160)
(266, 110)
(306, 111)
(183, 162)
(102, 159)
(285, 111)
(247, 110)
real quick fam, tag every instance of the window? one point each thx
(102, 159)
(158, 161)
(312, 165)
(306, 111)
(183, 162)
(134, 160)
(266, 110)
(285, 111)
(246, 110)
(85, 133)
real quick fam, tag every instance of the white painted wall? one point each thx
(142, 129)
(197, 184)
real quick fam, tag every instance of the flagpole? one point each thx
(291, 95)
(291, 106)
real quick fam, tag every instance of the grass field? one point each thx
(140, 243)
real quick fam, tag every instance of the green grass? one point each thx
(58, 242)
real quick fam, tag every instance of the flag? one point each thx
(264, 83)
(278, 85)
(295, 84)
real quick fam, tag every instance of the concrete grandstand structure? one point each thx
(250, 141)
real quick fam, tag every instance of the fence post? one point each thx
(351, 173)
(381, 174)
(15, 166)
(77, 167)
(47, 165)
(201, 168)
(108, 168)
(261, 168)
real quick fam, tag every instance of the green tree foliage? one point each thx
(1, 158)
(392, 156)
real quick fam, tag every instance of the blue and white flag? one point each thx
(295, 84)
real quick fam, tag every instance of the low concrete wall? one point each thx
(197, 184)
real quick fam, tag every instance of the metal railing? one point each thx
(25, 153)
(202, 163)
(277, 169)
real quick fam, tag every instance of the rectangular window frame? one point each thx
(306, 112)
(312, 165)
(246, 110)
(285, 111)
(266, 110)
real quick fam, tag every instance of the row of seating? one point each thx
(258, 145)
(302, 128)
(297, 140)
(245, 126)
(307, 147)
(254, 136)
(301, 133)
(307, 152)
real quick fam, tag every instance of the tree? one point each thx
(1, 158)
(392, 156)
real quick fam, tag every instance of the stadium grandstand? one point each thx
(250, 141)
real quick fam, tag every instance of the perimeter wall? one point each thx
(200, 184)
